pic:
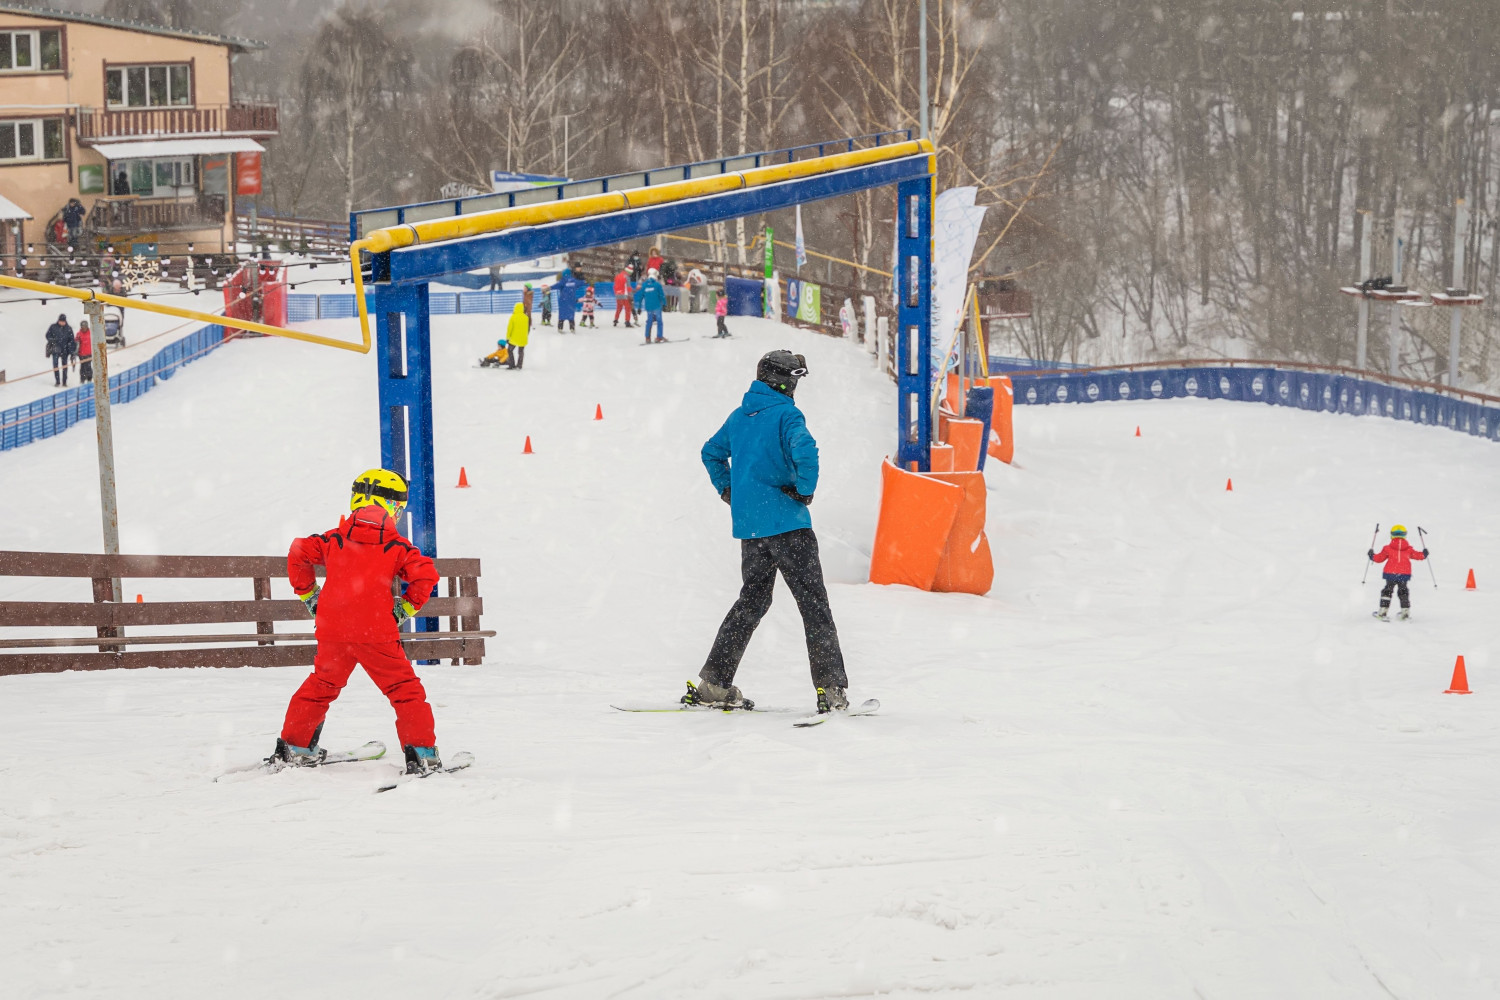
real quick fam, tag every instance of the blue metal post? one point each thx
(914, 323)
(403, 343)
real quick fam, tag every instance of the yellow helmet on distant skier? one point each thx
(383, 487)
(1398, 531)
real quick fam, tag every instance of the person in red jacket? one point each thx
(622, 297)
(358, 619)
(1398, 557)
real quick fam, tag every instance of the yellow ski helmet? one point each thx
(380, 486)
(1398, 531)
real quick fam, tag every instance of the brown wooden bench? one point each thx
(462, 606)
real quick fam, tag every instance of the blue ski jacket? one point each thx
(763, 446)
(651, 296)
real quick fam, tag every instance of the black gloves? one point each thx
(1371, 554)
(724, 494)
(791, 491)
(1424, 553)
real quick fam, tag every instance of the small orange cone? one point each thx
(1471, 585)
(527, 450)
(463, 478)
(1137, 430)
(1229, 485)
(598, 411)
(140, 599)
(1460, 684)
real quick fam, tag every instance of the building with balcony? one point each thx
(137, 123)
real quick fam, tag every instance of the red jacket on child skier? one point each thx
(1398, 556)
(362, 555)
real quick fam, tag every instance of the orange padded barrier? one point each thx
(966, 566)
(941, 457)
(967, 437)
(916, 518)
(1002, 437)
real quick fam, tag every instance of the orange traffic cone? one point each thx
(1471, 585)
(1460, 684)
(1229, 485)
(598, 411)
(463, 478)
(1137, 430)
(527, 450)
(139, 599)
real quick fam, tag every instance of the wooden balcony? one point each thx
(130, 216)
(100, 124)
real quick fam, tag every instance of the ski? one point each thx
(460, 760)
(670, 340)
(373, 750)
(869, 707)
(679, 707)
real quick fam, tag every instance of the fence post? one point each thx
(262, 585)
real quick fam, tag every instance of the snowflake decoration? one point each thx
(137, 271)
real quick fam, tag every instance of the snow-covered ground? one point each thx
(1170, 755)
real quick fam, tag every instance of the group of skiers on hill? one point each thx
(64, 347)
(762, 462)
(632, 294)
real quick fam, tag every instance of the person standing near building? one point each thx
(60, 348)
(72, 216)
(85, 349)
(651, 298)
(764, 464)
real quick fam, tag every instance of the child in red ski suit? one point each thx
(1398, 557)
(358, 618)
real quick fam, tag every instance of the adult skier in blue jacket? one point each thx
(764, 464)
(652, 298)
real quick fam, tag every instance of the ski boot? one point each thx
(286, 755)
(1403, 615)
(710, 695)
(1383, 614)
(832, 699)
(420, 760)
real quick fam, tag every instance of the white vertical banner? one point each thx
(956, 222)
(801, 247)
(870, 344)
(773, 297)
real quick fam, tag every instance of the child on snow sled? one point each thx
(1397, 556)
(498, 357)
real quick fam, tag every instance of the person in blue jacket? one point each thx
(652, 298)
(764, 464)
(567, 302)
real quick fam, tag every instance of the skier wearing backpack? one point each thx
(764, 464)
(1398, 557)
(358, 621)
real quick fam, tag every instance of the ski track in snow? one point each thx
(1170, 755)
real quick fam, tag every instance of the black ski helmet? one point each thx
(781, 370)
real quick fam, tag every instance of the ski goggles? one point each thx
(801, 369)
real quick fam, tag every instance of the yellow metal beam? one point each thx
(480, 223)
(63, 291)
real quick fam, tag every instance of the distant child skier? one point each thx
(499, 356)
(546, 306)
(721, 309)
(651, 298)
(764, 464)
(590, 303)
(358, 621)
(1398, 557)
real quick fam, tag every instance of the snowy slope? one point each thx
(1170, 754)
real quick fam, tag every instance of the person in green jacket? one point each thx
(517, 332)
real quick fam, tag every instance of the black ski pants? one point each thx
(795, 554)
(517, 357)
(1398, 584)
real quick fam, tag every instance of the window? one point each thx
(164, 178)
(30, 51)
(148, 86)
(36, 139)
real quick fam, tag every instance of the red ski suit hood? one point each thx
(363, 556)
(1398, 557)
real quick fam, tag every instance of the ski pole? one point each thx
(1368, 561)
(1427, 559)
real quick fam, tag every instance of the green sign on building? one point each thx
(90, 178)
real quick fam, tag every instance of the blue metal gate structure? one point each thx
(399, 251)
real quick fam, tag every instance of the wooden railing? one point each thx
(262, 648)
(151, 215)
(111, 123)
(293, 234)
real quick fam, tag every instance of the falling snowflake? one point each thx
(137, 271)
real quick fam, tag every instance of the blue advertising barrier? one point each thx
(1304, 390)
(42, 418)
(302, 307)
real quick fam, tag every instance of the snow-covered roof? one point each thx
(137, 149)
(51, 14)
(10, 210)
